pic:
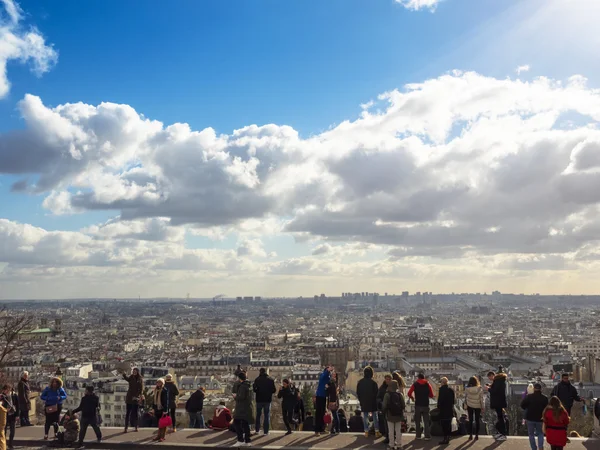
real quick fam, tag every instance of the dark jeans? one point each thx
(446, 427)
(131, 416)
(320, 404)
(556, 447)
(11, 423)
(335, 421)
(477, 413)
(24, 417)
(242, 428)
(288, 418)
(196, 420)
(172, 414)
(85, 423)
(260, 407)
(500, 425)
(52, 420)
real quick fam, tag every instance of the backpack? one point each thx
(395, 407)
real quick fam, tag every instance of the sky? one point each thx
(299, 147)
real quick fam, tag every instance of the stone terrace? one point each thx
(30, 437)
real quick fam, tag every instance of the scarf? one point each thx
(157, 396)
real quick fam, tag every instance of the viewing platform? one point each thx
(114, 438)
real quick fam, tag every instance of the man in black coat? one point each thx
(89, 407)
(534, 405)
(194, 407)
(566, 392)
(366, 391)
(498, 401)
(289, 397)
(264, 388)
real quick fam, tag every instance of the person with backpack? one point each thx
(289, 397)
(380, 394)
(534, 405)
(420, 393)
(445, 405)
(393, 408)
(89, 406)
(264, 388)
(366, 391)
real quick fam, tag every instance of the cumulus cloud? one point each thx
(21, 44)
(416, 5)
(462, 167)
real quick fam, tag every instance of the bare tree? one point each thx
(11, 326)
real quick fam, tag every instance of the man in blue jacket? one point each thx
(321, 400)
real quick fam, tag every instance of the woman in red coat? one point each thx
(556, 420)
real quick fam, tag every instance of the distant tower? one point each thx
(44, 323)
(58, 325)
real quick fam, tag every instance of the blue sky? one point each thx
(308, 65)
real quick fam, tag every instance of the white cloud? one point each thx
(415, 5)
(522, 69)
(21, 44)
(461, 169)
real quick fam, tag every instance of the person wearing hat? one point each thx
(534, 405)
(172, 394)
(194, 407)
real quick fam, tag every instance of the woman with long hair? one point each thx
(135, 395)
(475, 405)
(53, 397)
(556, 421)
(333, 402)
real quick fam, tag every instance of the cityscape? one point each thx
(204, 341)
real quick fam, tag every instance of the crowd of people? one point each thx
(382, 408)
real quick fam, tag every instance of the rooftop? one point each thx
(205, 439)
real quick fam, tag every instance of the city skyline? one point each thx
(295, 149)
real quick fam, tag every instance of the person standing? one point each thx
(135, 395)
(300, 414)
(333, 403)
(89, 407)
(160, 402)
(393, 407)
(53, 397)
(321, 400)
(475, 405)
(380, 395)
(264, 388)
(10, 401)
(535, 404)
(498, 402)
(289, 397)
(243, 411)
(556, 420)
(194, 407)
(420, 393)
(566, 393)
(172, 394)
(445, 405)
(366, 391)
(23, 393)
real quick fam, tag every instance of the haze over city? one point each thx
(286, 149)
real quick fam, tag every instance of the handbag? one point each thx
(165, 421)
(454, 425)
(327, 419)
(51, 409)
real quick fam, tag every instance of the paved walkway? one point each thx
(30, 437)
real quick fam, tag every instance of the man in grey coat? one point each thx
(242, 415)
